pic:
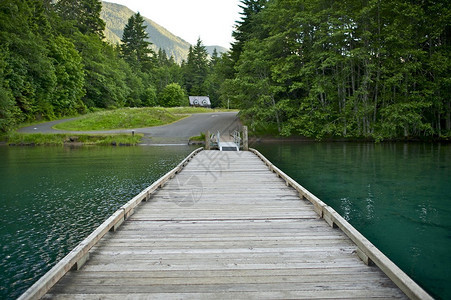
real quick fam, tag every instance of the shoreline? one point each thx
(300, 139)
(130, 140)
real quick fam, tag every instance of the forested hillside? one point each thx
(55, 62)
(317, 68)
(116, 16)
(324, 68)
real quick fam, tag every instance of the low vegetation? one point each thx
(128, 118)
(197, 139)
(124, 118)
(38, 139)
(195, 110)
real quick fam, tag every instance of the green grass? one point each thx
(198, 138)
(127, 118)
(123, 118)
(195, 110)
(71, 139)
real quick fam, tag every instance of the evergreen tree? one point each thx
(166, 72)
(8, 109)
(196, 69)
(360, 69)
(135, 47)
(214, 59)
(217, 74)
(162, 58)
(84, 14)
(248, 27)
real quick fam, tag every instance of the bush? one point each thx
(173, 95)
(150, 96)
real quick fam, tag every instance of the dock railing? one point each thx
(240, 139)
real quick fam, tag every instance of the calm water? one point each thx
(52, 198)
(397, 195)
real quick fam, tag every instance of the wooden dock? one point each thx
(225, 225)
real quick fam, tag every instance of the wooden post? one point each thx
(245, 139)
(207, 140)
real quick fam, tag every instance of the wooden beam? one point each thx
(245, 139)
(207, 140)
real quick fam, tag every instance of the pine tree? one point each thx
(214, 58)
(248, 27)
(135, 48)
(196, 69)
(85, 15)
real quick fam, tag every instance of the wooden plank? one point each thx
(365, 288)
(318, 294)
(336, 280)
(253, 273)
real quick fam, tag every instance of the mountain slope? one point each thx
(116, 17)
(219, 49)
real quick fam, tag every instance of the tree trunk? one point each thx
(276, 113)
(448, 116)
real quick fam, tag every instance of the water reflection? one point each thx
(369, 205)
(346, 208)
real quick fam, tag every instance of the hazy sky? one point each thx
(211, 20)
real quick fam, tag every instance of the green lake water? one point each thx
(51, 198)
(397, 195)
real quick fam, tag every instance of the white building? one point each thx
(202, 101)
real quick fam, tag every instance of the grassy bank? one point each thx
(128, 118)
(21, 139)
(123, 118)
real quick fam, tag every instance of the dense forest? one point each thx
(324, 68)
(56, 62)
(317, 68)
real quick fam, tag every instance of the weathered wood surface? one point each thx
(225, 227)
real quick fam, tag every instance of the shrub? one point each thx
(173, 95)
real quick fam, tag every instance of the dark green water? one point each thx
(397, 195)
(52, 198)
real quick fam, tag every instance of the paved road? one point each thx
(175, 133)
